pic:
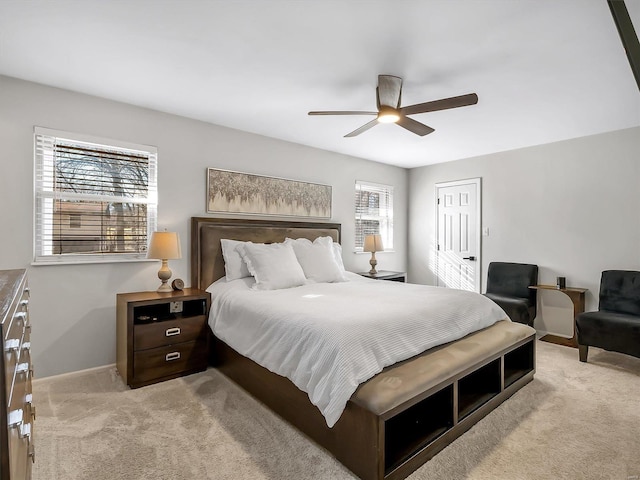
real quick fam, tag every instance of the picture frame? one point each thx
(232, 192)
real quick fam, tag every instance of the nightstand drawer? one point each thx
(163, 361)
(169, 332)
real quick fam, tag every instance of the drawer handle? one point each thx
(12, 344)
(26, 346)
(32, 453)
(22, 315)
(172, 356)
(15, 418)
(25, 368)
(25, 430)
(172, 331)
(28, 400)
(24, 302)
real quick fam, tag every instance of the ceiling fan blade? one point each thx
(343, 113)
(389, 90)
(363, 128)
(413, 126)
(443, 104)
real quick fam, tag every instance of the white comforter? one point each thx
(328, 338)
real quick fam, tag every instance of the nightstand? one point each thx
(386, 275)
(160, 336)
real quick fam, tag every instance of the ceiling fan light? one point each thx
(389, 118)
(388, 115)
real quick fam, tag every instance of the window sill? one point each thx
(85, 261)
(369, 253)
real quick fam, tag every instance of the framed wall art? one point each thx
(246, 193)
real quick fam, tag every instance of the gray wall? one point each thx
(73, 307)
(571, 207)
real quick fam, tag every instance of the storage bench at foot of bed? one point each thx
(406, 414)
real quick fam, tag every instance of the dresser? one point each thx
(17, 413)
(160, 336)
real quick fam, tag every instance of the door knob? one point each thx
(472, 258)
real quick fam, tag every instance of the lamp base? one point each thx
(164, 287)
(164, 274)
(373, 262)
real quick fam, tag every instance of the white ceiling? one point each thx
(544, 70)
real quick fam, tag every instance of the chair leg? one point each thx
(583, 351)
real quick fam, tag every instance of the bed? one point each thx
(402, 416)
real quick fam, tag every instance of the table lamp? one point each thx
(164, 246)
(373, 244)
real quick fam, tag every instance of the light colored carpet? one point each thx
(574, 421)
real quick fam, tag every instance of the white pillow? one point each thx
(317, 259)
(274, 266)
(234, 266)
(337, 253)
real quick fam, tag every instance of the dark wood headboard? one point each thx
(207, 264)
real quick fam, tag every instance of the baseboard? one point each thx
(77, 372)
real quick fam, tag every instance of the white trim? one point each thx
(377, 253)
(84, 138)
(388, 190)
(455, 183)
(374, 184)
(45, 138)
(37, 381)
(74, 260)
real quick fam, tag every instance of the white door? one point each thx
(458, 233)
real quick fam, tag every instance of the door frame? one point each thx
(455, 183)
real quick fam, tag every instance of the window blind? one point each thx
(94, 201)
(374, 213)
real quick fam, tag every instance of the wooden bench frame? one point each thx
(358, 439)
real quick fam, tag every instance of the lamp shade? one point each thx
(164, 246)
(373, 243)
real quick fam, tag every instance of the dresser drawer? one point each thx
(17, 316)
(18, 319)
(18, 451)
(168, 332)
(19, 368)
(168, 360)
(13, 346)
(11, 357)
(21, 382)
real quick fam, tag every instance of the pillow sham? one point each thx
(317, 259)
(234, 266)
(337, 253)
(274, 265)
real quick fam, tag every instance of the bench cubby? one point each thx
(421, 430)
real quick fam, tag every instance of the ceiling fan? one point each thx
(388, 95)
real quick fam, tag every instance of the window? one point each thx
(95, 199)
(374, 213)
(75, 220)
